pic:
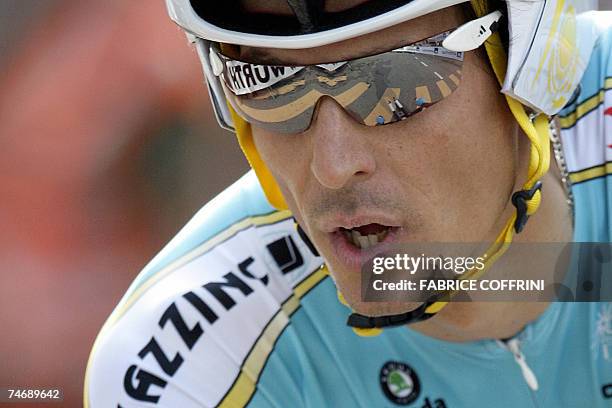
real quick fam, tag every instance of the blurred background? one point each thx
(107, 147)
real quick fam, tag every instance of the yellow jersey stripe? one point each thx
(585, 107)
(591, 173)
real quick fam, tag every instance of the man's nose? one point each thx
(341, 149)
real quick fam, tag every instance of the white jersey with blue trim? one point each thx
(237, 311)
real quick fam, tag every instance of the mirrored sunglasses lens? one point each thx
(375, 90)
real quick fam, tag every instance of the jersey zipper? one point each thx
(514, 346)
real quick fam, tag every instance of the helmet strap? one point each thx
(307, 12)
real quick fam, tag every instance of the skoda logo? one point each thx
(399, 382)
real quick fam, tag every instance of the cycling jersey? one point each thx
(237, 310)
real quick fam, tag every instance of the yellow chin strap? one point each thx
(245, 139)
(537, 130)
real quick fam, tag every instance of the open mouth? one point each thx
(366, 236)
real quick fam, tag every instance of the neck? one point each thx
(470, 321)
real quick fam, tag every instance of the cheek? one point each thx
(480, 134)
(488, 129)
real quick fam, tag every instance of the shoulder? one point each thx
(182, 333)
(586, 131)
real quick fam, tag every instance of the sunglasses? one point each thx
(375, 90)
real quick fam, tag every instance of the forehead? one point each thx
(380, 41)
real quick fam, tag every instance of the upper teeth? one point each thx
(364, 241)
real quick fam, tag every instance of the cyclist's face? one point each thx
(445, 174)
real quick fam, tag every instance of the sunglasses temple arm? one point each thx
(473, 34)
(217, 95)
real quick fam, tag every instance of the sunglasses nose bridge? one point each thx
(328, 112)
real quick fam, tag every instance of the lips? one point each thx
(357, 237)
(353, 248)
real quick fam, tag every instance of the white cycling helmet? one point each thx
(539, 72)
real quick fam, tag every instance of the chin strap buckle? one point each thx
(425, 311)
(520, 200)
(360, 321)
